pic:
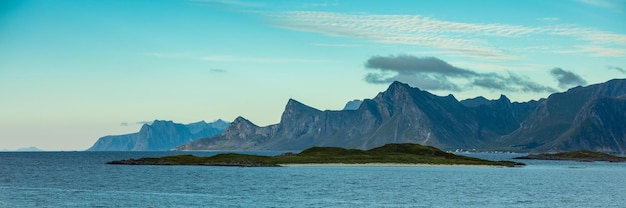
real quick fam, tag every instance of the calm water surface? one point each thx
(82, 179)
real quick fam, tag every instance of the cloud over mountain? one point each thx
(431, 73)
(567, 78)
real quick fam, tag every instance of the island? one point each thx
(581, 156)
(388, 154)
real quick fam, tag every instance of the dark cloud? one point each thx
(431, 73)
(527, 85)
(619, 69)
(411, 65)
(434, 82)
(489, 83)
(511, 83)
(567, 78)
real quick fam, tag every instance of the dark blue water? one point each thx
(82, 179)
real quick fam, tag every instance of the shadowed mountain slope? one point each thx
(583, 118)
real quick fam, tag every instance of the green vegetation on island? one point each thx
(582, 156)
(390, 153)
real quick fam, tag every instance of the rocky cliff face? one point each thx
(158, 136)
(401, 114)
(589, 118)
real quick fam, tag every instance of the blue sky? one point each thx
(74, 70)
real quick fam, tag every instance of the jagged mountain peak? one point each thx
(399, 87)
(240, 124)
(398, 92)
(451, 97)
(219, 124)
(294, 104)
(241, 120)
(398, 84)
(503, 98)
(295, 109)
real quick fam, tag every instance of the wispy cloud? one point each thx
(594, 50)
(458, 38)
(618, 5)
(337, 45)
(321, 4)
(431, 73)
(397, 29)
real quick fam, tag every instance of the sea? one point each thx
(83, 179)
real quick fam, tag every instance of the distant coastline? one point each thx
(23, 149)
(388, 155)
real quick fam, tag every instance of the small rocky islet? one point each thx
(387, 154)
(581, 156)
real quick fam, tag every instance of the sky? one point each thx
(72, 71)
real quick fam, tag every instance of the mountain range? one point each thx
(159, 136)
(590, 118)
